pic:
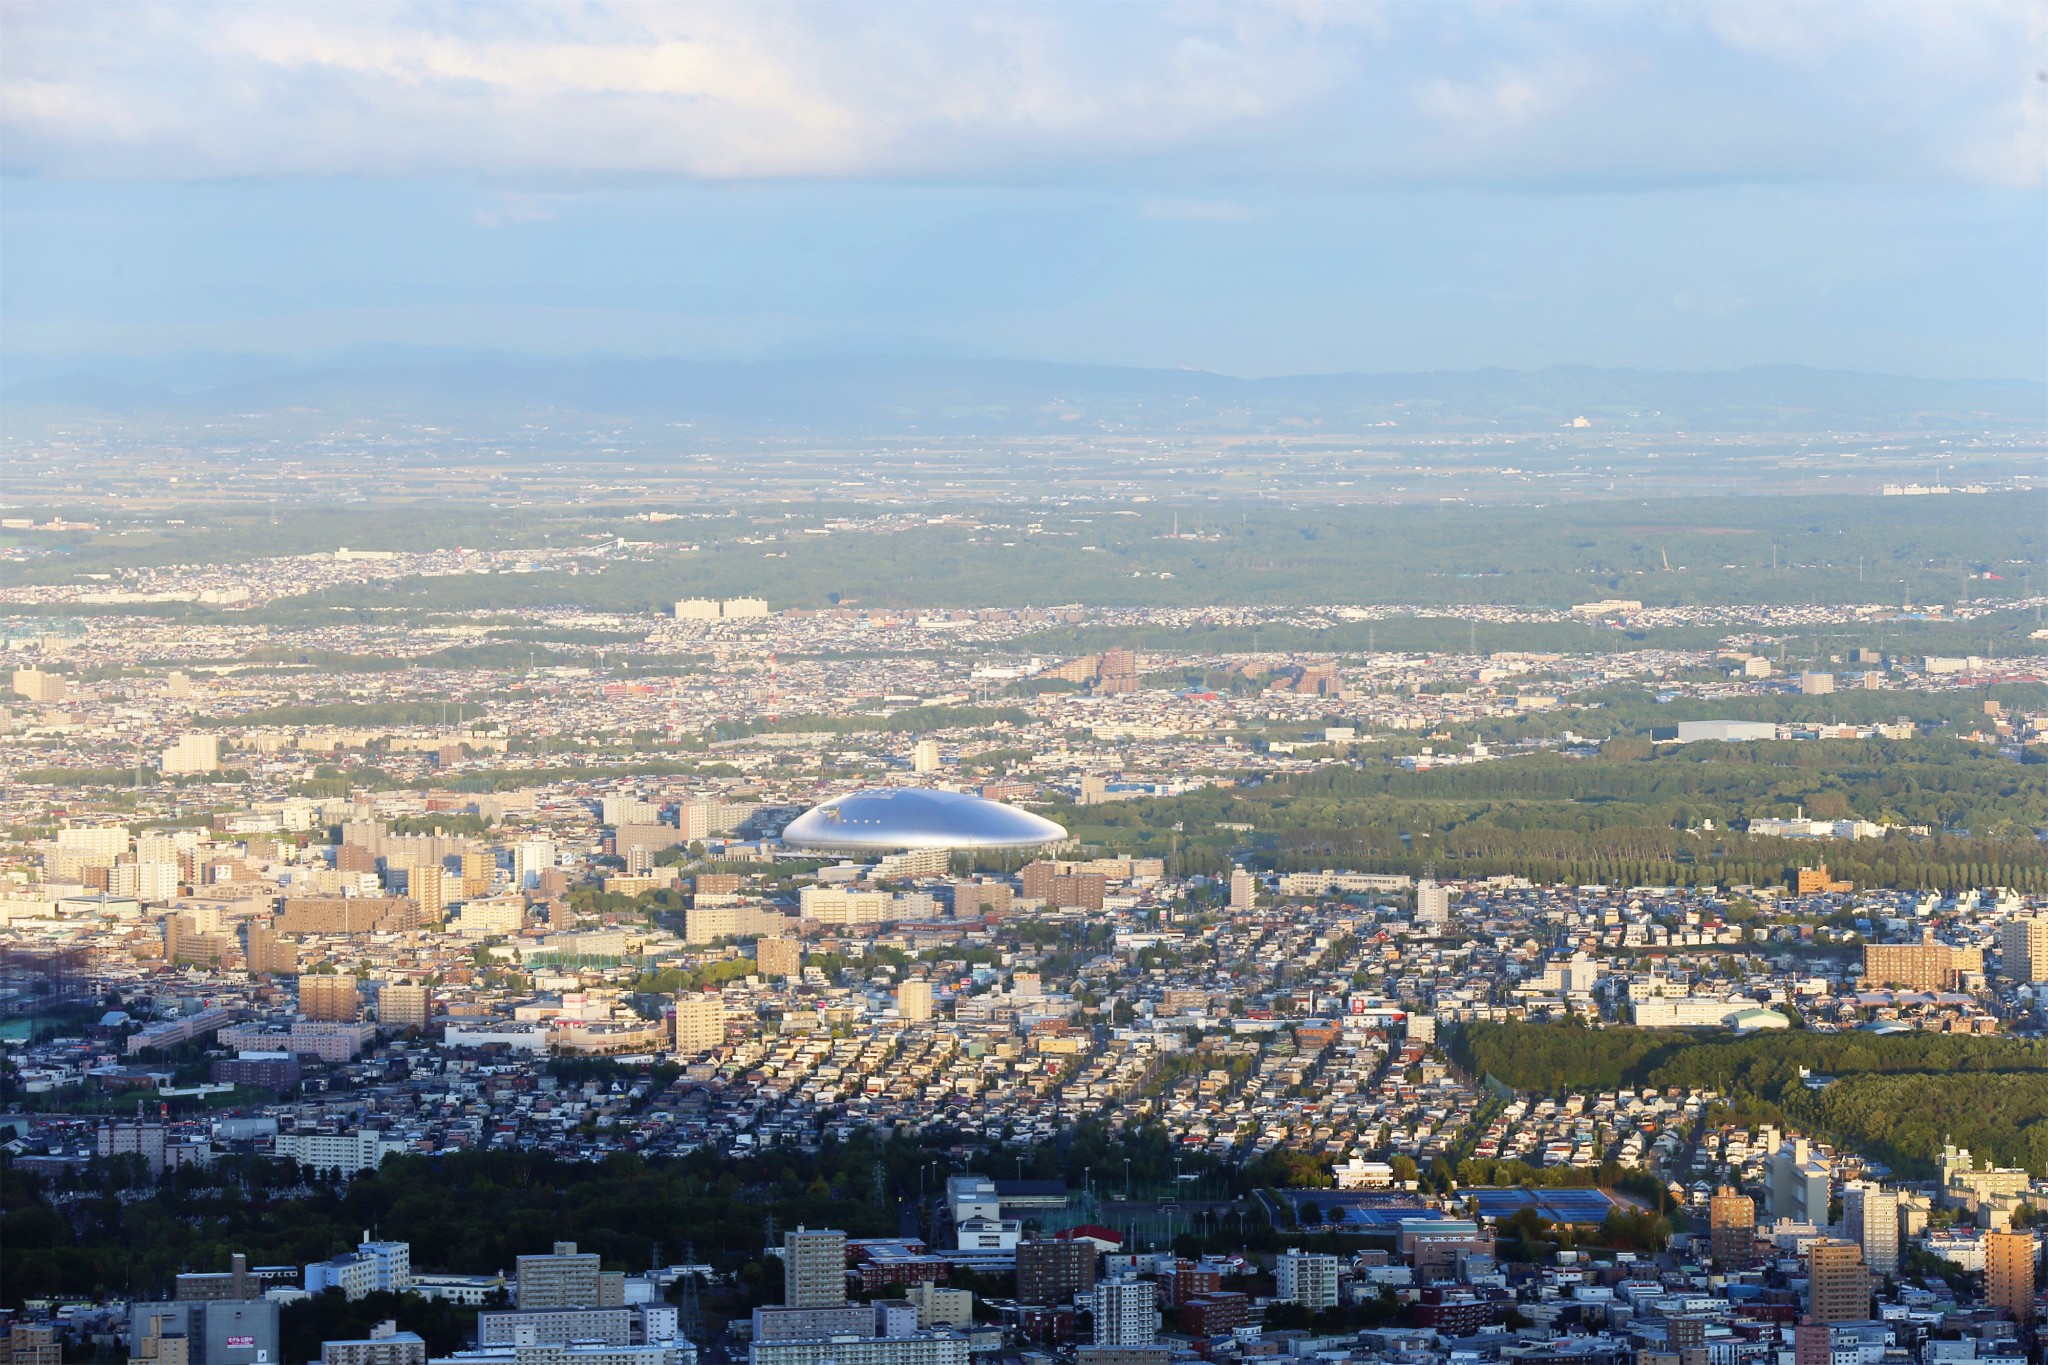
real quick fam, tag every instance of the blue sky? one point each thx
(1253, 189)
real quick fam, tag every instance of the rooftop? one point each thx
(914, 818)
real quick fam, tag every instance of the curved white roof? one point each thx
(887, 818)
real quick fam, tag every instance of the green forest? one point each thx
(1898, 1098)
(1633, 814)
(111, 1230)
(1788, 550)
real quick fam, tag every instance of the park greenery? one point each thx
(1631, 814)
(1897, 1097)
(110, 1229)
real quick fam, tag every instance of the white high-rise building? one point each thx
(914, 1001)
(924, 757)
(1432, 903)
(78, 849)
(164, 848)
(393, 1261)
(838, 905)
(700, 1022)
(1244, 890)
(1799, 1183)
(483, 917)
(1306, 1278)
(37, 685)
(144, 881)
(1870, 1216)
(630, 810)
(1126, 1313)
(530, 858)
(195, 753)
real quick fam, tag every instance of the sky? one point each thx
(192, 191)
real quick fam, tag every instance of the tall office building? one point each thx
(208, 1332)
(1244, 890)
(924, 757)
(1432, 902)
(403, 1004)
(145, 881)
(979, 900)
(914, 1001)
(268, 954)
(1116, 671)
(37, 685)
(428, 887)
(330, 997)
(700, 1022)
(1870, 1214)
(32, 1343)
(479, 869)
(778, 956)
(1813, 1343)
(1051, 1271)
(91, 846)
(193, 754)
(567, 1278)
(2023, 943)
(530, 858)
(1731, 1225)
(1126, 1313)
(1799, 1182)
(1838, 1283)
(693, 822)
(629, 810)
(2009, 1273)
(814, 1268)
(1306, 1278)
(1685, 1341)
(162, 848)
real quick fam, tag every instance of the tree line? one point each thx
(1897, 1096)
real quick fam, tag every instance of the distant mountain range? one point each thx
(825, 398)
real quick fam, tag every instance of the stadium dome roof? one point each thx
(887, 818)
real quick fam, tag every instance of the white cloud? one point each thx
(1177, 96)
(1506, 98)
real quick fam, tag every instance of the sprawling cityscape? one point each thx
(1213, 998)
(1243, 684)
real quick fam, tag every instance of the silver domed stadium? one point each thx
(885, 819)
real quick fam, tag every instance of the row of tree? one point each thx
(1897, 1096)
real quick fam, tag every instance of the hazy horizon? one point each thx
(196, 373)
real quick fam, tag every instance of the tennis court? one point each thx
(1358, 1213)
(1559, 1206)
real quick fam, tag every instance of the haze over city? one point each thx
(1022, 684)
